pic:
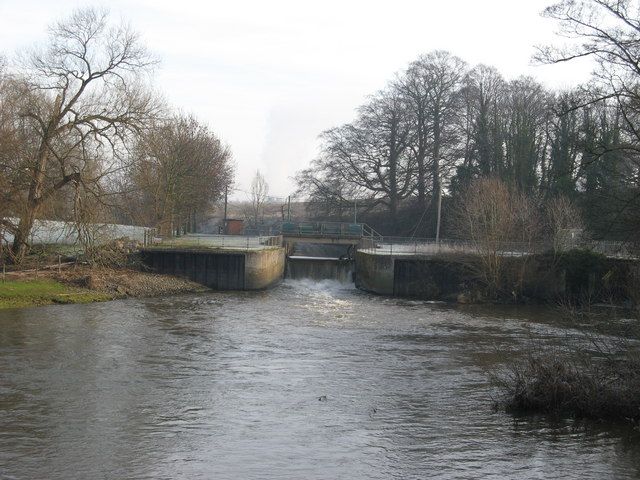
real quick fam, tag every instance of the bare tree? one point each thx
(80, 99)
(433, 84)
(486, 95)
(608, 32)
(180, 169)
(10, 150)
(564, 223)
(258, 197)
(370, 154)
(329, 195)
(525, 116)
(499, 222)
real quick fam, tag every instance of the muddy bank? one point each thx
(126, 282)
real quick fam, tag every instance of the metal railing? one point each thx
(429, 246)
(226, 242)
(612, 249)
(328, 229)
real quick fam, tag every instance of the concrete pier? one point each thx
(374, 273)
(537, 278)
(219, 268)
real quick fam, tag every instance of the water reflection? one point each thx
(310, 380)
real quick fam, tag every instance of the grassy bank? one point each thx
(85, 285)
(26, 293)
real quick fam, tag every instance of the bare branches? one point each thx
(180, 168)
(257, 198)
(499, 221)
(370, 156)
(606, 30)
(76, 103)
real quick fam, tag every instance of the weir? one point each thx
(418, 269)
(320, 262)
(320, 268)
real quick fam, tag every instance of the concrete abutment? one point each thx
(220, 269)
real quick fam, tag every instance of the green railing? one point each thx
(327, 229)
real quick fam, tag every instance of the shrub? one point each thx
(601, 385)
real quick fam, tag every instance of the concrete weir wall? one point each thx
(427, 278)
(220, 269)
(263, 268)
(536, 278)
(374, 273)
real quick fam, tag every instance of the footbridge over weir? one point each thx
(324, 250)
(335, 233)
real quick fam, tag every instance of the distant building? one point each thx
(235, 226)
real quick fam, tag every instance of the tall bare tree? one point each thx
(79, 99)
(433, 84)
(525, 140)
(370, 154)
(486, 94)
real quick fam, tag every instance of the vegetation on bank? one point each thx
(45, 291)
(592, 373)
(85, 284)
(580, 386)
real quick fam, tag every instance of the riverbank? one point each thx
(89, 284)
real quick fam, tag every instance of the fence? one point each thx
(613, 249)
(54, 232)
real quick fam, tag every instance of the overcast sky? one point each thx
(269, 76)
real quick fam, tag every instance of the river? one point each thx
(310, 380)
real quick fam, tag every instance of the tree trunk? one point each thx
(21, 236)
(422, 190)
(437, 194)
(33, 204)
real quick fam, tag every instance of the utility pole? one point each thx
(439, 214)
(224, 222)
(355, 210)
(289, 208)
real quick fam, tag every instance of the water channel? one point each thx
(310, 380)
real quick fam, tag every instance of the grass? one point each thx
(26, 293)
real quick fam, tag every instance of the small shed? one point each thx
(235, 226)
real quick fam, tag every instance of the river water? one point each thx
(310, 380)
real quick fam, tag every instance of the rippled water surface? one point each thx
(305, 381)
